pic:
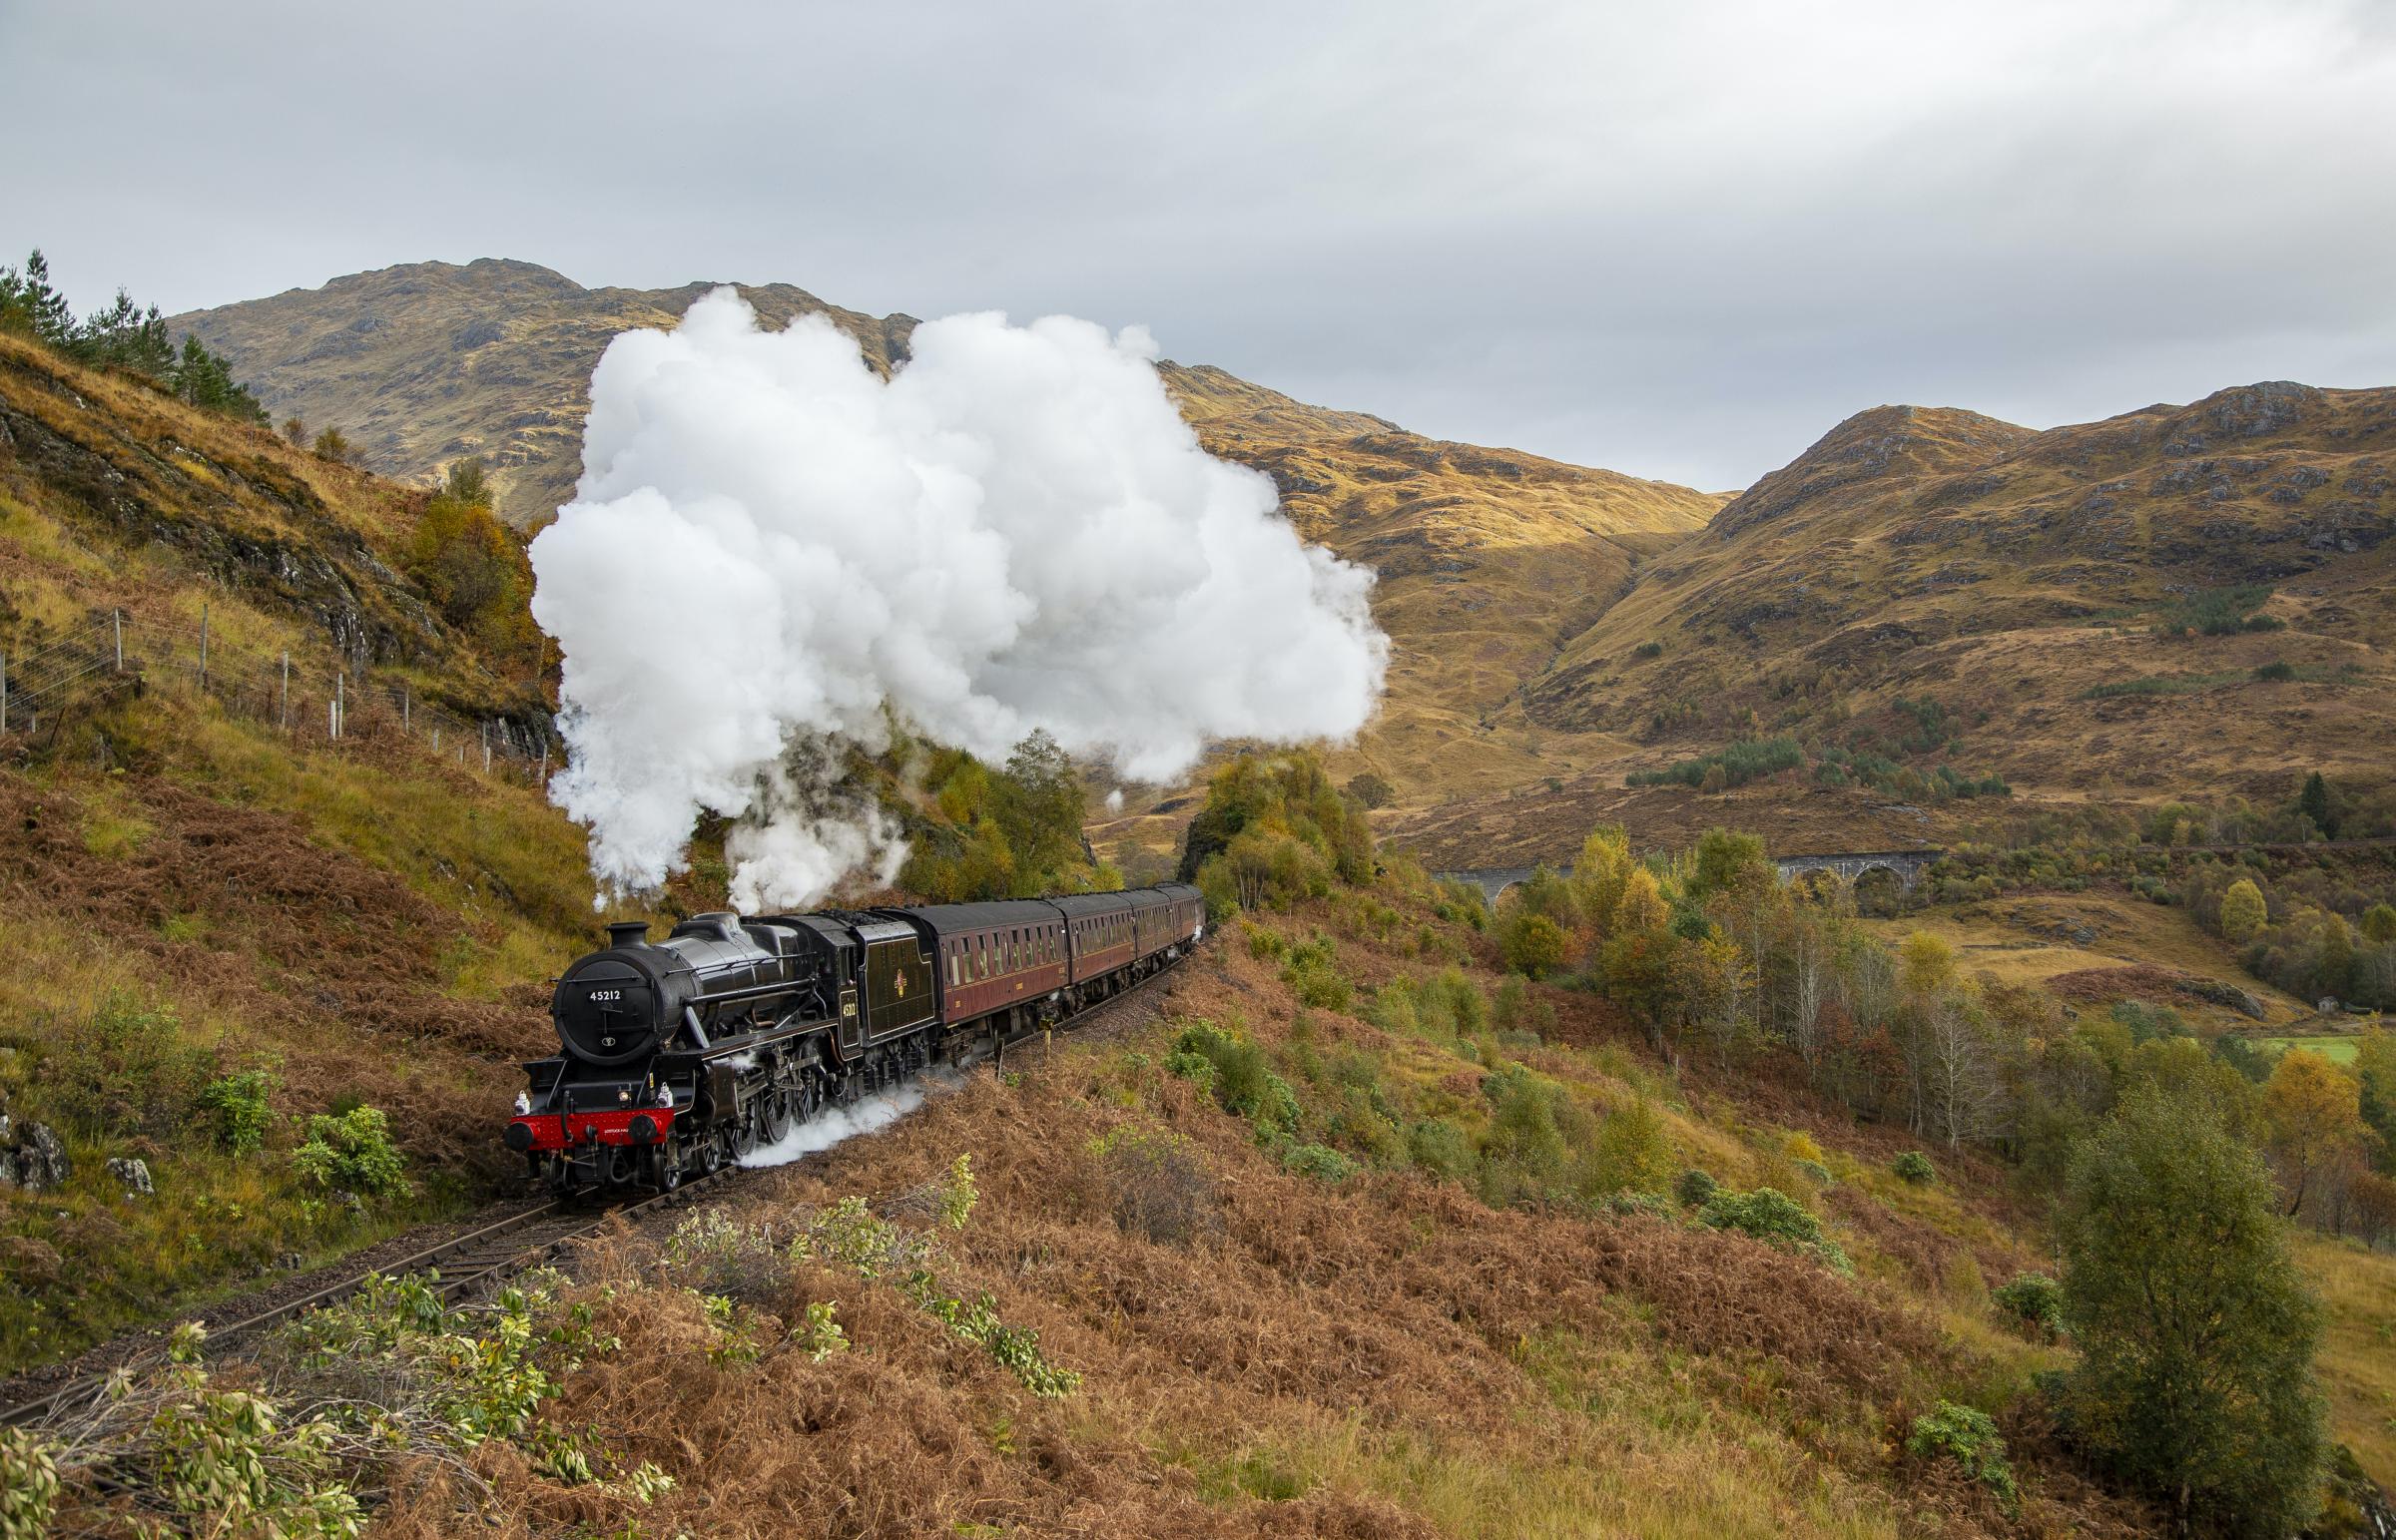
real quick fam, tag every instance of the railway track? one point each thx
(464, 1265)
(467, 1264)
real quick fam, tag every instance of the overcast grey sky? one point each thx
(1679, 240)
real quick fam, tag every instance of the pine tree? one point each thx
(2313, 803)
(2196, 1333)
(52, 320)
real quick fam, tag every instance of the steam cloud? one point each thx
(772, 547)
(834, 1124)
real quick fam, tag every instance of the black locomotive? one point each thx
(682, 1055)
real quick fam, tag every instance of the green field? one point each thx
(2338, 1050)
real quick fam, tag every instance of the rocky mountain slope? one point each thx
(2183, 601)
(1488, 557)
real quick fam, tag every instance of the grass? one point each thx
(88, 1259)
(2357, 1288)
(2337, 1050)
(2162, 685)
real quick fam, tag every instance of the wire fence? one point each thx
(118, 650)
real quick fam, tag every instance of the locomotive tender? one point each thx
(682, 1055)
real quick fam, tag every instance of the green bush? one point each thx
(1312, 974)
(27, 1484)
(2033, 1299)
(1630, 1153)
(1533, 944)
(1774, 1218)
(1694, 1189)
(1967, 1436)
(243, 1116)
(1320, 1162)
(1914, 1167)
(352, 1153)
(1516, 1009)
(1439, 1147)
(1242, 1082)
(1194, 1067)
(125, 1070)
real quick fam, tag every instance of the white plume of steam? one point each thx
(772, 547)
(868, 1113)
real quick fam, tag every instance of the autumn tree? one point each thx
(2196, 1333)
(1722, 858)
(295, 431)
(1641, 908)
(1599, 874)
(334, 445)
(2312, 1120)
(1533, 944)
(2242, 912)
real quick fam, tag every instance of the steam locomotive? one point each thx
(683, 1055)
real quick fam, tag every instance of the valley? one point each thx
(1392, 1211)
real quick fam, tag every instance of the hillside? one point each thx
(2048, 592)
(1342, 1230)
(1490, 558)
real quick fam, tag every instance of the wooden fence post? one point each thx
(117, 618)
(282, 698)
(203, 646)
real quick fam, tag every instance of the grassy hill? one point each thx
(198, 893)
(1490, 558)
(2180, 602)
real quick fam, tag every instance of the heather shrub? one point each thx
(123, 1070)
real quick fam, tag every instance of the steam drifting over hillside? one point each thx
(772, 547)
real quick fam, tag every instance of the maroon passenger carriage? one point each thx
(683, 1054)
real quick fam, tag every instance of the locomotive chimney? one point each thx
(628, 934)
